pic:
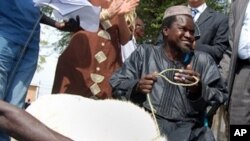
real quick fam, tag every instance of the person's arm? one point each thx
(24, 127)
(124, 31)
(115, 13)
(124, 82)
(212, 87)
(127, 49)
(49, 21)
(72, 25)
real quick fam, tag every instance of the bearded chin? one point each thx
(181, 48)
(187, 55)
(185, 49)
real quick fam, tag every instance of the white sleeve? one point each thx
(127, 49)
(244, 42)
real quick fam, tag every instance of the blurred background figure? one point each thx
(138, 32)
(239, 75)
(136, 26)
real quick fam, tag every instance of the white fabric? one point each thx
(128, 48)
(65, 9)
(244, 42)
(83, 119)
(194, 11)
(200, 9)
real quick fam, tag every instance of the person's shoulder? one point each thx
(216, 12)
(201, 53)
(218, 17)
(148, 47)
(203, 57)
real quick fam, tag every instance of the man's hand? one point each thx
(146, 83)
(186, 76)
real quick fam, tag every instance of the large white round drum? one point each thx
(83, 119)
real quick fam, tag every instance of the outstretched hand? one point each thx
(128, 5)
(114, 8)
(121, 7)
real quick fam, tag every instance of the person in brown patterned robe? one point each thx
(86, 65)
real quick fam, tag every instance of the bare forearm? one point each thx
(23, 126)
(47, 20)
(124, 32)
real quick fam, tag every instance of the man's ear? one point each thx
(165, 31)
